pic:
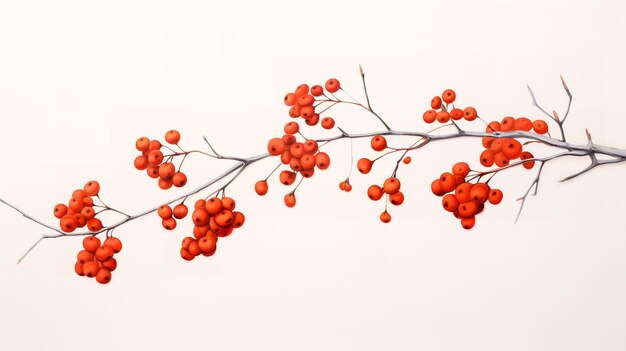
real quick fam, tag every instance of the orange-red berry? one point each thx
(142, 144)
(391, 185)
(322, 160)
(540, 127)
(94, 225)
(275, 146)
(495, 196)
(364, 165)
(385, 217)
(103, 276)
(172, 137)
(68, 223)
(114, 243)
(290, 200)
(179, 179)
(317, 90)
(525, 156)
(430, 116)
(443, 116)
(468, 223)
(165, 212)
(378, 143)
(435, 103)
(396, 198)
(448, 96)
(291, 128)
(92, 188)
(60, 210)
(461, 169)
(450, 203)
(456, 114)
(104, 253)
(332, 85)
(261, 187)
(328, 122)
(470, 114)
(374, 192)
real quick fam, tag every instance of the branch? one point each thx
(590, 149)
(369, 105)
(553, 116)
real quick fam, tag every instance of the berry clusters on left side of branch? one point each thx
(79, 212)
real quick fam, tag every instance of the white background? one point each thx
(81, 80)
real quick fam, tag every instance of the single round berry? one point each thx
(374, 192)
(378, 143)
(448, 96)
(328, 122)
(385, 217)
(261, 187)
(172, 137)
(114, 243)
(332, 85)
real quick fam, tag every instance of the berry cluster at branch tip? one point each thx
(464, 199)
(79, 212)
(158, 165)
(96, 259)
(302, 102)
(500, 151)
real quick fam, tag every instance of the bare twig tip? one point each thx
(564, 84)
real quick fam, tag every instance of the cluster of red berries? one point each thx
(157, 165)
(302, 102)
(302, 157)
(212, 218)
(79, 211)
(464, 199)
(169, 215)
(391, 187)
(500, 151)
(96, 260)
(439, 109)
(345, 185)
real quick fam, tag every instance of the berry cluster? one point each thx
(345, 185)
(464, 199)
(79, 211)
(169, 215)
(500, 151)
(212, 218)
(302, 102)
(96, 260)
(303, 157)
(158, 165)
(391, 185)
(440, 112)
